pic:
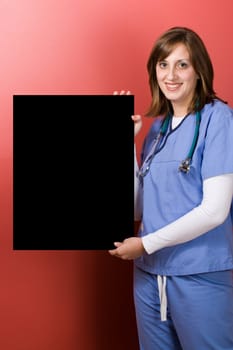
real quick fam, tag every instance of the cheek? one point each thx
(160, 77)
(190, 78)
(192, 84)
(160, 83)
(159, 74)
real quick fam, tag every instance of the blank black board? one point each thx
(73, 171)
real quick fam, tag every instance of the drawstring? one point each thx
(162, 296)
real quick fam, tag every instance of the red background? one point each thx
(69, 300)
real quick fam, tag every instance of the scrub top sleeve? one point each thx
(137, 190)
(218, 150)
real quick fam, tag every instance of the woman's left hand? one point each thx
(130, 248)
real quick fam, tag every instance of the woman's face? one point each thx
(176, 77)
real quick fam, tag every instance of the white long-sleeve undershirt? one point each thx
(213, 210)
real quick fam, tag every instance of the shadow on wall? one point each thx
(109, 319)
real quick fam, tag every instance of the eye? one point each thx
(162, 64)
(182, 65)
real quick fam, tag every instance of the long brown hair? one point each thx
(200, 60)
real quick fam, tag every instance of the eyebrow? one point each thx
(179, 60)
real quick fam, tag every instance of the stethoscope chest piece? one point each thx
(185, 165)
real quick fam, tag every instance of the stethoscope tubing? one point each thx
(185, 164)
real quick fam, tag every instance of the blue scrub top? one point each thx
(169, 193)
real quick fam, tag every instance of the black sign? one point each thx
(73, 171)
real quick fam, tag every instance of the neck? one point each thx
(179, 110)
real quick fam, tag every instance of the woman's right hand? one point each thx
(136, 118)
(137, 123)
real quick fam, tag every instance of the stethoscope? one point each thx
(185, 164)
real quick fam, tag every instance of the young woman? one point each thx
(183, 254)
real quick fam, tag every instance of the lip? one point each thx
(173, 86)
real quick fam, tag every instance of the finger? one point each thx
(117, 244)
(122, 92)
(112, 251)
(136, 117)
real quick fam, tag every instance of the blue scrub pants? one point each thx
(199, 311)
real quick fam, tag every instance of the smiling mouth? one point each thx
(173, 86)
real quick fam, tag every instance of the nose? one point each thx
(171, 73)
